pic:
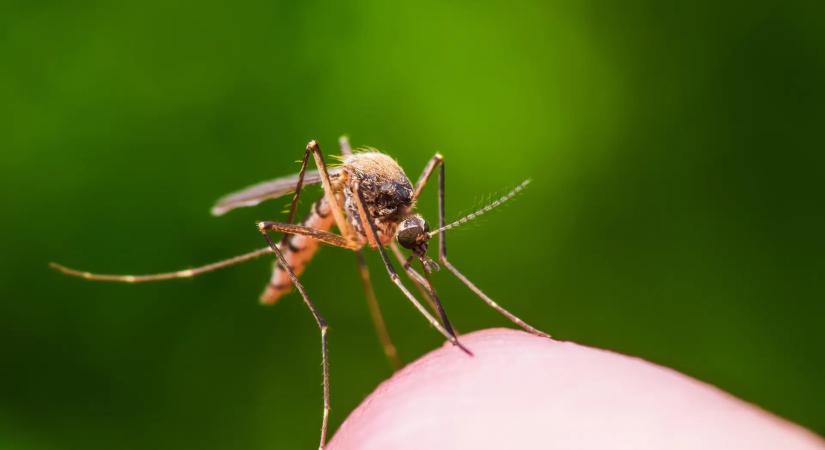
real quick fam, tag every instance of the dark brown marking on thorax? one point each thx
(386, 190)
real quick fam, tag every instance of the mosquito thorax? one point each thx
(413, 234)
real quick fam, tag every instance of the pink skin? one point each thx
(526, 392)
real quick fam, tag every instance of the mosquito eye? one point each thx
(408, 237)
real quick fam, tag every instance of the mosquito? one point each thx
(371, 202)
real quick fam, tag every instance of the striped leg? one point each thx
(186, 273)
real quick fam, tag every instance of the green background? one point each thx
(676, 211)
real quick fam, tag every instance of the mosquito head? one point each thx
(413, 233)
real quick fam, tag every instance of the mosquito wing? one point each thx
(257, 193)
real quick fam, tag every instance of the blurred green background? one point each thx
(676, 211)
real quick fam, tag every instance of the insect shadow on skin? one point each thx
(371, 202)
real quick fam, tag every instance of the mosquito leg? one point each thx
(427, 285)
(515, 319)
(272, 287)
(359, 199)
(322, 325)
(313, 233)
(187, 273)
(375, 312)
(277, 284)
(293, 207)
(442, 253)
(435, 161)
(414, 276)
(337, 210)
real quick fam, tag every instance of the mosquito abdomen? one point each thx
(298, 250)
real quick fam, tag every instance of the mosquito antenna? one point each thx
(483, 210)
(187, 273)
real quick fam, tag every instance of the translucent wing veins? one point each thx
(257, 193)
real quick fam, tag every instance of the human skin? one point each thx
(520, 391)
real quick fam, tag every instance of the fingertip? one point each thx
(524, 391)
